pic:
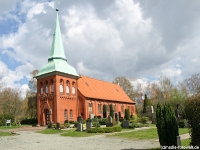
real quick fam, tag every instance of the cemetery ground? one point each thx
(44, 138)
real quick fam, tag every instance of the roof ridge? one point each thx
(98, 79)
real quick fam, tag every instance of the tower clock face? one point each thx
(61, 89)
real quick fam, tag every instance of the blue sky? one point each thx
(102, 39)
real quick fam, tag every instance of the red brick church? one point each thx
(62, 94)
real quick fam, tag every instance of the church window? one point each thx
(71, 113)
(65, 114)
(99, 108)
(122, 109)
(108, 108)
(67, 87)
(41, 88)
(46, 87)
(61, 86)
(73, 88)
(52, 86)
(90, 107)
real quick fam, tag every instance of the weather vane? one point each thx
(57, 3)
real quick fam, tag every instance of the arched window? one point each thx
(67, 87)
(41, 88)
(108, 108)
(47, 87)
(122, 108)
(52, 86)
(73, 88)
(71, 113)
(99, 108)
(90, 107)
(65, 114)
(61, 86)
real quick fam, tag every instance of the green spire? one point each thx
(57, 50)
(57, 61)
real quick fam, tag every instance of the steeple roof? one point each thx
(57, 61)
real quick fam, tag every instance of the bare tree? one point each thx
(193, 84)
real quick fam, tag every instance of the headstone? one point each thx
(117, 117)
(50, 125)
(91, 116)
(149, 109)
(79, 118)
(109, 124)
(178, 141)
(125, 124)
(80, 127)
(109, 119)
(88, 125)
(57, 125)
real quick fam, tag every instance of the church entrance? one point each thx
(47, 116)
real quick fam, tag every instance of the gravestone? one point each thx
(117, 117)
(91, 116)
(109, 123)
(79, 119)
(57, 125)
(88, 125)
(80, 127)
(125, 124)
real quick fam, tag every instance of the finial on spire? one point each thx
(57, 5)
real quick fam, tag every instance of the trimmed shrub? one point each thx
(192, 114)
(104, 111)
(134, 119)
(30, 121)
(167, 126)
(67, 125)
(102, 121)
(127, 114)
(95, 124)
(111, 111)
(71, 121)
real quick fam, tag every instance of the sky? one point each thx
(103, 39)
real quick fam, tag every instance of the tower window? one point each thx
(46, 87)
(73, 88)
(61, 86)
(67, 87)
(52, 86)
(41, 88)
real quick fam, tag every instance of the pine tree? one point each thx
(104, 111)
(127, 114)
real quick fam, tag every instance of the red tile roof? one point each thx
(94, 88)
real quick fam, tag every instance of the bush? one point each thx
(95, 124)
(144, 119)
(71, 121)
(67, 125)
(30, 121)
(105, 130)
(192, 114)
(134, 119)
(4, 117)
(121, 119)
(181, 123)
(104, 111)
(102, 121)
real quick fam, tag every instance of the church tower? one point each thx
(57, 97)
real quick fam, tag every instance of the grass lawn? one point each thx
(78, 134)
(8, 127)
(185, 142)
(51, 131)
(5, 134)
(144, 134)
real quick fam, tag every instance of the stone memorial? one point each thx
(57, 125)
(109, 123)
(117, 117)
(91, 116)
(125, 124)
(80, 127)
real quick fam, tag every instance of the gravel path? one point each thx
(30, 140)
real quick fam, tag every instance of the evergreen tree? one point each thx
(167, 126)
(104, 111)
(145, 104)
(127, 114)
(111, 111)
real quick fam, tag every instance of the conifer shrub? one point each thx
(4, 117)
(167, 126)
(111, 111)
(104, 111)
(181, 123)
(192, 114)
(127, 114)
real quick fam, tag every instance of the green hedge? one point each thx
(105, 130)
(30, 121)
(4, 117)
